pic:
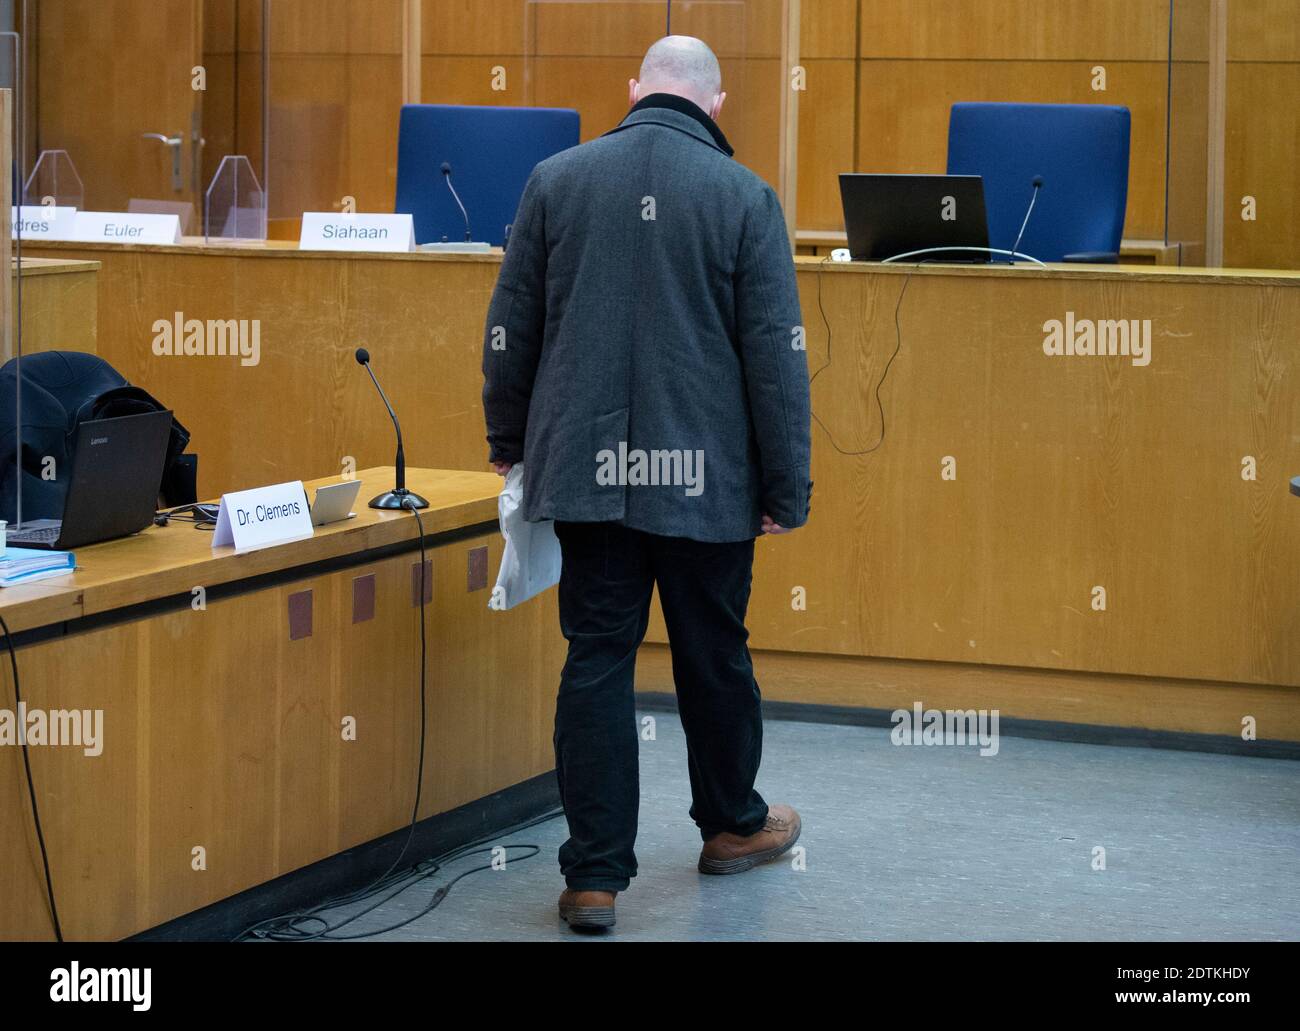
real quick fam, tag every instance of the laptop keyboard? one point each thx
(46, 536)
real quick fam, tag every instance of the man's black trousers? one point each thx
(608, 576)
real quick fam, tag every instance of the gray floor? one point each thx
(932, 843)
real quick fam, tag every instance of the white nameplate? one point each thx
(263, 516)
(330, 231)
(125, 227)
(39, 222)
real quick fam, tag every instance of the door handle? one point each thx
(174, 144)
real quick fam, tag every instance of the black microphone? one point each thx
(399, 496)
(446, 174)
(1038, 185)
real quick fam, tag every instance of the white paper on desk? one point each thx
(531, 561)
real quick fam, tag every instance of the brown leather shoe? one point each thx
(730, 853)
(587, 909)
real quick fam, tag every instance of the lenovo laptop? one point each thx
(117, 468)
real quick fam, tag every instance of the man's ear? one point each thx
(717, 105)
(632, 86)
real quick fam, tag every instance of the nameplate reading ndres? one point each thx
(263, 516)
(42, 222)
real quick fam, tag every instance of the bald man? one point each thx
(643, 358)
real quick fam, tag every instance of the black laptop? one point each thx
(889, 215)
(117, 467)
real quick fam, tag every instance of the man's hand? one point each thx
(771, 527)
(501, 468)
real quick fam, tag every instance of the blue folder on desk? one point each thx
(24, 565)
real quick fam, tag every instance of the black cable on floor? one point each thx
(289, 927)
(31, 786)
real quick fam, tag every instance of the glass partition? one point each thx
(131, 106)
(12, 160)
(54, 182)
(334, 93)
(234, 206)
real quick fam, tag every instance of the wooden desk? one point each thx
(820, 242)
(223, 730)
(1071, 473)
(60, 304)
(976, 592)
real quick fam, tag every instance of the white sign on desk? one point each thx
(42, 222)
(125, 227)
(332, 231)
(263, 516)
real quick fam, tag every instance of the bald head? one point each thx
(684, 66)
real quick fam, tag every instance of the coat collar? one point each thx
(676, 113)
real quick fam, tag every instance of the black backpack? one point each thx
(60, 390)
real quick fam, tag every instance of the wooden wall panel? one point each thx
(220, 26)
(828, 28)
(336, 27)
(733, 28)
(904, 105)
(581, 55)
(334, 131)
(470, 78)
(1188, 170)
(455, 28)
(827, 140)
(1263, 162)
(60, 305)
(1263, 134)
(597, 88)
(1264, 30)
(220, 107)
(1015, 30)
(1149, 703)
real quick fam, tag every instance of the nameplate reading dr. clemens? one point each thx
(263, 516)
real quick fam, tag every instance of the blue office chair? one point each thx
(1081, 152)
(491, 151)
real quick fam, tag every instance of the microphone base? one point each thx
(402, 498)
